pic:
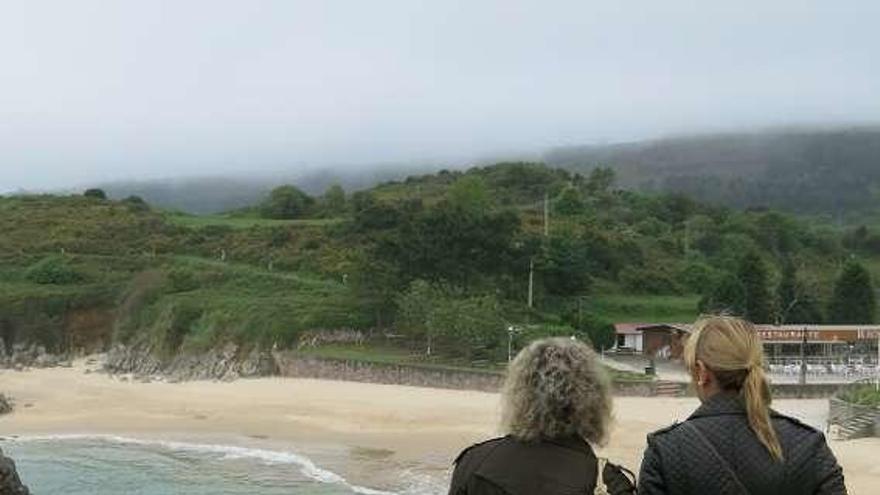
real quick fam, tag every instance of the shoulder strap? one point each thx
(733, 478)
(612, 479)
(601, 488)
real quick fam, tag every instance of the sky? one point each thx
(94, 91)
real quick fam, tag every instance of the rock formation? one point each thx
(224, 363)
(5, 405)
(29, 356)
(10, 484)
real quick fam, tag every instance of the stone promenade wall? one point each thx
(296, 365)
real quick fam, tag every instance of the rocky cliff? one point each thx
(10, 484)
(22, 356)
(226, 363)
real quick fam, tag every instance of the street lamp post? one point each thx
(511, 330)
(803, 378)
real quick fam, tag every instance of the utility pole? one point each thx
(687, 238)
(546, 215)
(531, 280)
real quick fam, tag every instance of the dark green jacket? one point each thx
(505, 466)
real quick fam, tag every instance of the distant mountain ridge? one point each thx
(834, 171)
(824, 171)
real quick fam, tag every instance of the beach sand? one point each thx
(382, 430)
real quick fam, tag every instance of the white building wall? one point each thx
(634, 342)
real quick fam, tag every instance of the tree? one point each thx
(564, 266)
(452, 244)
(853, 300)
(286, 202)
(95, 193)
(333, 201)
(754, 277)
(470, 325)
(728, 296)
(414, 307)
(470, 193)
(376, 282)
(797, 302)
(438, 314)
(786, 291)
(600, 181)
(569, 201)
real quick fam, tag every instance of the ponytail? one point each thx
(731, 349)
(756, 394)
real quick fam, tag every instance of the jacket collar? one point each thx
(573, 442)
(725, 404)
(721, 404)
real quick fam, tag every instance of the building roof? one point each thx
(820, 328)
(638, 328)
(768, 332)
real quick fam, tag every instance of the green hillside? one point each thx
(825, 171)
(440, 261)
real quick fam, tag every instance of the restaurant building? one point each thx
(782, 343)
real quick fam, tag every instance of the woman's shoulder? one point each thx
(480, 449)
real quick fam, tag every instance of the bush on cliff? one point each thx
(54, 270)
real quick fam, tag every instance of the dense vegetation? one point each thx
(829, 171)
(448, 266)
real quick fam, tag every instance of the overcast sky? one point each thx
(100, 90)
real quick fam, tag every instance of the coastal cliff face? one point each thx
(22, 356)
(226, 363)
(10, 484)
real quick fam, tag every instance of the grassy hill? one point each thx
(441, 260)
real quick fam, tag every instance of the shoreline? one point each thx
(367, 433)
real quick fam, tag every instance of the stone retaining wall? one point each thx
(297, 365)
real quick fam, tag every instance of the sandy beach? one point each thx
(382, 429)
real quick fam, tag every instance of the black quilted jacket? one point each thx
(687, 458)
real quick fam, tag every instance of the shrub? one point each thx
(136, 204)
(54, 270)
(182, 280)
(95, 193)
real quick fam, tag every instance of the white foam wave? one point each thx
(229, 452)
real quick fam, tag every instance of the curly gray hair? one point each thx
(555, 388)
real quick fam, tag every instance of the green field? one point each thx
(643, 308)
(236, 222)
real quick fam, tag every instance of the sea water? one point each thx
(107, 465)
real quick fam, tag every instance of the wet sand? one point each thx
(382, 430)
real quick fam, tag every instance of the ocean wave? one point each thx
(306, 466)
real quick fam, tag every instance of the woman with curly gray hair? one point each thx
(556, 402)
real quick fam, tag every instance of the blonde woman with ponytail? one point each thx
(735, 444)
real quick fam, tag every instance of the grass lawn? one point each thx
(199, 221)
(644, 309)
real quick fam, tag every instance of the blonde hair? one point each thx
(731, 349)
(556, 388)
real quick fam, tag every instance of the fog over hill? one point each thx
(831, 170)
(216, 194)
(817, 171)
